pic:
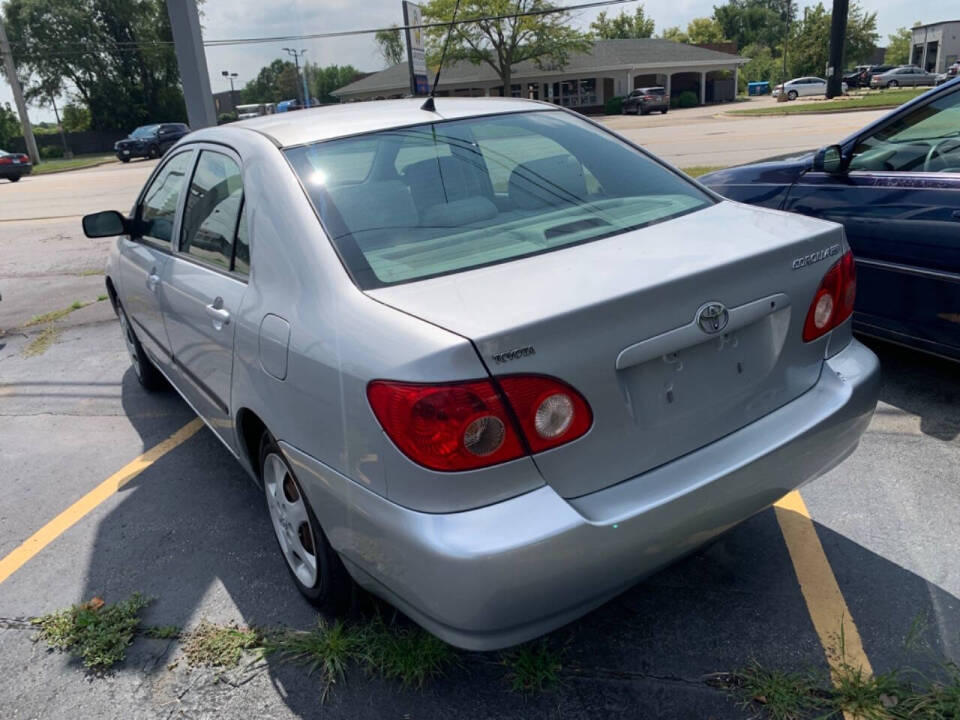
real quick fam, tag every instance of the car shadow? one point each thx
(922, 385)
(192, 533)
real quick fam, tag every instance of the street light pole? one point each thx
(233, 96)
(28, 138)
(296, 61)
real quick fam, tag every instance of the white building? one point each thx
(936, 46)
(612, 68)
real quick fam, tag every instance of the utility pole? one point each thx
(296, 62)
(782, 97)
(233, 95)
(28, 138)
(838, 34)
(192, 61)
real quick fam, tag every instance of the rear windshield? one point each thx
(416, 202)
(655, 91)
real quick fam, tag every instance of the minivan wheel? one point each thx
(147, 373)
(315, 567)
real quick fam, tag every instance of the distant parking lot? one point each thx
(191, 531)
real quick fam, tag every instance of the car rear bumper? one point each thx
(17, 171)
(502, 574)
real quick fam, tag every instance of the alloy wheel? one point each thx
(291, 521)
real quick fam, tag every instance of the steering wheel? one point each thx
(938, 149)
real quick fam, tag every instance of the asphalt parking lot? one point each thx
(869, 550)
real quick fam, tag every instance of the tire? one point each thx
(14, 178)
(792, 95)
(664, 111)
(153, 152)
(124, 159)
(148, 375)
(893, 84)
(321, 577)
(641, 111)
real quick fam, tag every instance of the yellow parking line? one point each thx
(62, 522)
(828, 610)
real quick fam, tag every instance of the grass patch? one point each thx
(887, 696)
(53, 315)
(698, 170)
(42, 342)
(408, 654)
(89, 272)
(220, 646)
(75, 163)
(331, 649)
(162, 632)
(532, 667)
(96, 632)
(873, 100)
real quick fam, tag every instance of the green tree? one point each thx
(623, 25)
(809, 50)
(764, 66)
(705, 30)
(120, 64)
(674, 34)
(76, 118)
(898, 47)
(324, 80)
(548, 40)
(390, 45)
(275, 82)
(9, 126)
(755, 22)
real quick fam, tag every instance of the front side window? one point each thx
(212, 211)
(158, 209)
(145, 131)
(480, 191)
(925, 140)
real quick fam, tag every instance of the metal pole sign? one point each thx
(416, 55)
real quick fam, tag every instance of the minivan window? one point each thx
(481, 190)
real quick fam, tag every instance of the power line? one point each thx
(131, 45)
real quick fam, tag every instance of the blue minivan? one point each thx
(895, 187)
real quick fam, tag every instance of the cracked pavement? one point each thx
(191, 532)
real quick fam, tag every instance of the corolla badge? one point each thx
(712, 317)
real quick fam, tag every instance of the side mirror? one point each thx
(829, 160)
(104, 224)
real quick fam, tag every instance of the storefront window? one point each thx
(588, 91)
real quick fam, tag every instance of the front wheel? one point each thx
(154, 152)
(14, 178)
(316, 568)
(147, 373)
(792, 95)
(664, 111)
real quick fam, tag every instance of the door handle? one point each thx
(218, 313)
(153, 280)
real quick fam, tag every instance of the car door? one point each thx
(145, 254)
(900, 205)
(816, 86)
(205, 282)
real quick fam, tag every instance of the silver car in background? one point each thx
(491, 361)
(905, 76)
(804, 87)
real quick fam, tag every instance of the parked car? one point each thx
(803, 87)
(950, 74)
(150, 141)
(493, 361)
(904, 76)
(855, 78)
(868, 71)
(894, 185)
(14, 166)
(643, 100)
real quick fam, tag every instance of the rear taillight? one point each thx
(464, 426)
(6, 160)
(833, 301)
(649, 97)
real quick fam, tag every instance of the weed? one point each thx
(698, 170)
(98, 633)
(89, 272)
(162, 632)
(49, 317)
(331, 648)
(101, 298)
(42, 342)
(783, 695)
(219, 645)
(408, 654)
(533, 667)
(76, 305)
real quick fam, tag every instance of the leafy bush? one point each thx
(227, 117)
(686, 99)
(613, 106)
(49, 152)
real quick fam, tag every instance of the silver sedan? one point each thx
(491, 361)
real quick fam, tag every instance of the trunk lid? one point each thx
(617, 319)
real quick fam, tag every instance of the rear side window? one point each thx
(212, 211)
(159, 206)
(446, 197)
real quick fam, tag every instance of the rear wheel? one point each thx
(664, 111)
(124, 160)
(893, 83)
(14, 178)
(315, 567)
(143, 366)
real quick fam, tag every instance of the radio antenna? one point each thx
(428, 103)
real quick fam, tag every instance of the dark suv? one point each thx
(643, 100)
(150, 141)
(868, 71)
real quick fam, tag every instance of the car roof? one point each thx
(324, 123)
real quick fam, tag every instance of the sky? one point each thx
(225, 19)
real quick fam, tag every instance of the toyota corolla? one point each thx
(487, 359)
